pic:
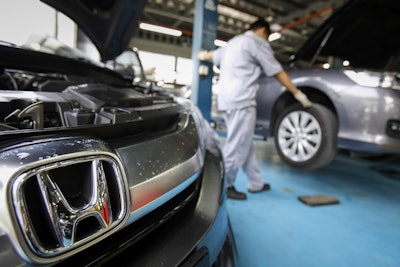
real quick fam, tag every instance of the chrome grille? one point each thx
(64, 203)
(62, 207)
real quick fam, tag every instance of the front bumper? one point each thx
(197, 235)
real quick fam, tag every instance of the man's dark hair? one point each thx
(260, 23)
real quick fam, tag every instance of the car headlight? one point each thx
(374, 79)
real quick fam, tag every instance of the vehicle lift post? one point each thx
(204, 35)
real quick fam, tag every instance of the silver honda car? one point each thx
(349, 68)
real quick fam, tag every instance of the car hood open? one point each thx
(364, 32)
(110, 24)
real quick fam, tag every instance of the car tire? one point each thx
(305, 138)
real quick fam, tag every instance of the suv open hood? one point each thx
(110, 24)
(364, 32)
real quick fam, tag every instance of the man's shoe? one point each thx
(266, 187)
(233, 194)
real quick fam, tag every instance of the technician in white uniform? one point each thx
(242, 61)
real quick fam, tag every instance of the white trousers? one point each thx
(239, 151)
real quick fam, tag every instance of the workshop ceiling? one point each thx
(294, 19)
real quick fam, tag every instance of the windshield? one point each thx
(48, 44)
(43, 29)
(46, 30)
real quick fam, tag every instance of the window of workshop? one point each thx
(158, 67)
(184, 71)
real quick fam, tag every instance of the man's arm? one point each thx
(285, 80)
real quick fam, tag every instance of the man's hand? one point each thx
(303, 99)
(203, 55)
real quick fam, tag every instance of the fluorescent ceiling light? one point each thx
(160, 29)
(274, 36)
(219, 43)
(236, 14)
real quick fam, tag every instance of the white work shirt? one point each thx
(242, 61)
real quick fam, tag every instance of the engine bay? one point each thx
(37, 100)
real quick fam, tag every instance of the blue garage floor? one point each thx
(275, 229)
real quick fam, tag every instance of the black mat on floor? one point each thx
(318, 200)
